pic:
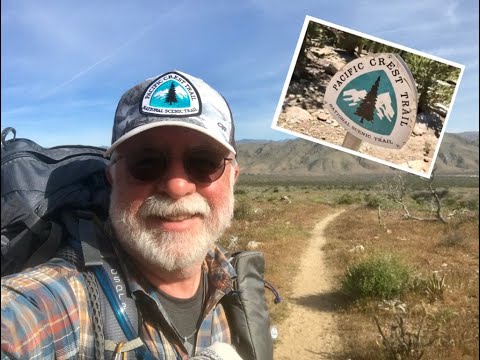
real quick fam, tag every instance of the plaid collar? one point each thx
(220, 275)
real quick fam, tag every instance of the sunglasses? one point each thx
(201, 166)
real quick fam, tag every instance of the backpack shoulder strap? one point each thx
(119, 313)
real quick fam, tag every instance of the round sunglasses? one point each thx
(201, 166)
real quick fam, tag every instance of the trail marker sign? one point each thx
(375, 99)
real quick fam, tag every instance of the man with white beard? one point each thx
(172, 173)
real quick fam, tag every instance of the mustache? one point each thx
(163, 206)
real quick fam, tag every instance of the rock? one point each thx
(233, 242)
(417, 165)
(286, 198)
(324, 51)
(335, 65)
(322, 116)
(393, 306)
(252, 245)
(298, 115)
(358, 248)
(419, 129)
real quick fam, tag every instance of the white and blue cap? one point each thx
(173, 99)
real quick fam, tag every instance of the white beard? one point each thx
(171, 251)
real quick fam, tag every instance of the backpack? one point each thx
(37, 184)
(52, 200)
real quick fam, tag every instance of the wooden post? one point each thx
(351, 142)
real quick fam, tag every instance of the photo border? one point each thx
(293, 63)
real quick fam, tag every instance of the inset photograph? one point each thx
(368, 97)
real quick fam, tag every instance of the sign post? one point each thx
(351, 142)
(375, 99)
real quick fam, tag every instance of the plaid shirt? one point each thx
(46, 313)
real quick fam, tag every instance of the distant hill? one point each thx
(302, 157)
(252, 141)
(458, 155)
(470, 136)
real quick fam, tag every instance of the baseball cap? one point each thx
(173, 99)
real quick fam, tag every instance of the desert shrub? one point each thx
(372, 201)
(240, 192)
(453, 239)
(451, 201)
(346, 199)
(376, 277)
(436, 287)
(242, 210)
(418, 284)
(422, 196)
(470, 204)
(406, 337)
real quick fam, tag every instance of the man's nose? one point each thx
(176, 182)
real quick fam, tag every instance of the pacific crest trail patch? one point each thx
(171, 95)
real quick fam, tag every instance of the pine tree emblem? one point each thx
(172, 95)
(366, 108)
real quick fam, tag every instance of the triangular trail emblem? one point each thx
(171, 95)
(374, 99)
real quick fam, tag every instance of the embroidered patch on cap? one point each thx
(171, 95)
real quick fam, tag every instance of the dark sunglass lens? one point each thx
(204, 166)
(147, 167)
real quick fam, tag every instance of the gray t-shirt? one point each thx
(185, 314)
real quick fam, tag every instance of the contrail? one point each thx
(91, 67)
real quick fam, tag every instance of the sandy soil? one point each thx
(310, 332)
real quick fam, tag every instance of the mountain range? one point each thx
(458, 154)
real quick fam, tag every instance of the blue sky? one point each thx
(65, 63)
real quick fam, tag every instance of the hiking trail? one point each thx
(310, 331)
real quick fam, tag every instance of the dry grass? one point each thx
(452, 318)
(283, 229)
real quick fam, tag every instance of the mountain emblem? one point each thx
(370, 101)
(170, 94)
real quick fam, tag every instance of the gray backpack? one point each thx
(49, 198)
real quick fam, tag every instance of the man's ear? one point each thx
(237, 172)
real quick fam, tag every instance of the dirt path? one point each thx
(310, 331)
